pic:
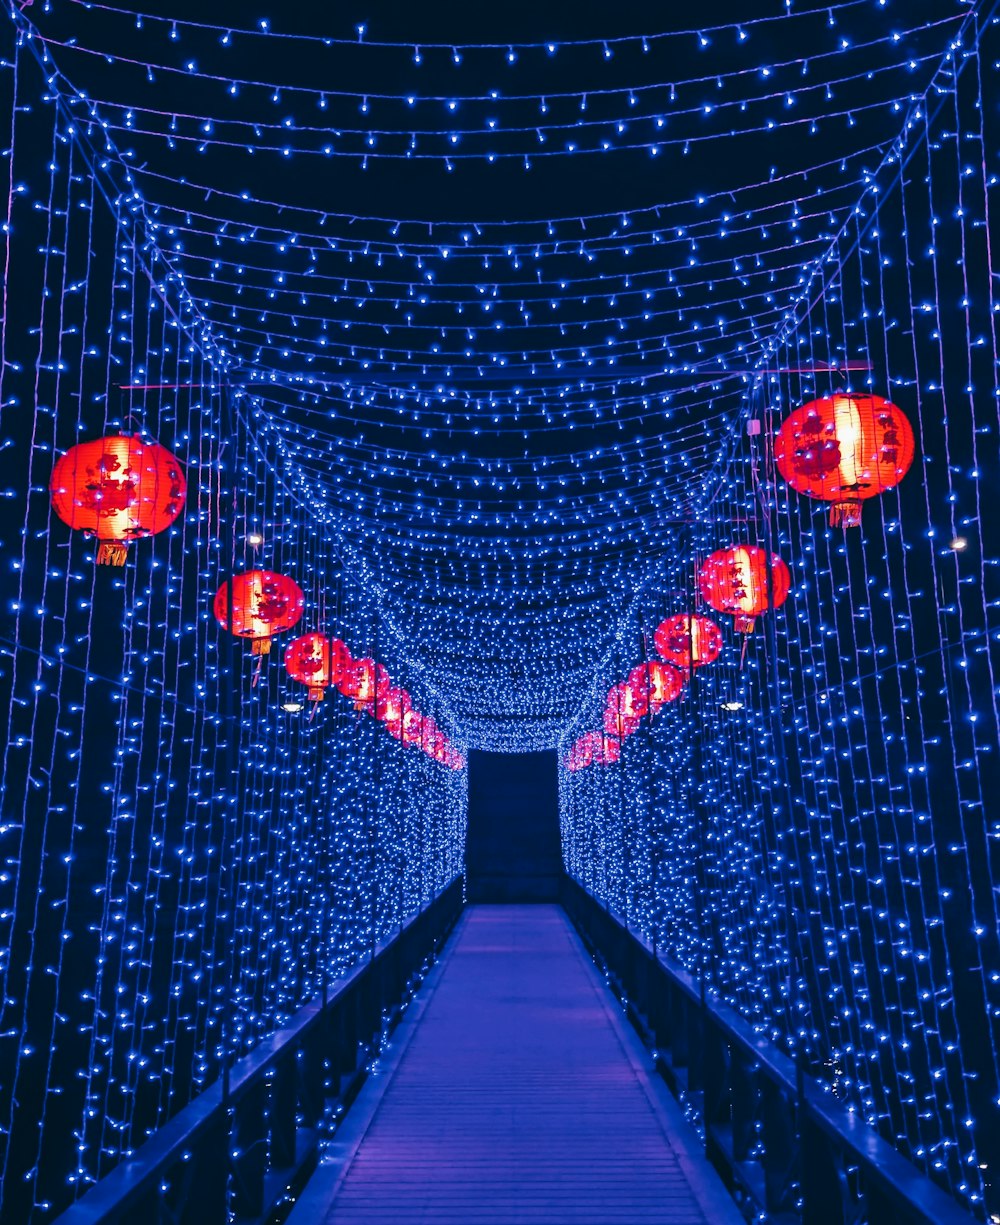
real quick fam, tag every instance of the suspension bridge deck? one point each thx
(515, 1093)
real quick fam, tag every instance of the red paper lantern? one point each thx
(455, 760)
(675, 638)
(264, 604)
(654, 684)
(317, 661)
(843, 449)
(412, 727)
(581, 753)
(434, 743)
(119, 489)
(359, 682)
(735, 581)
(621, 717)
(609, 751)
(390, 708)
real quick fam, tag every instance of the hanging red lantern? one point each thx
(264, 604)
(735, 580)
(428, 730)
(434, 744)
(573, 760)
(581, 752)
(620, 716)
(455, 760)
(675, 638)
(654, 684)
(358, 683)
(390, 708)
(120, 488)
(317, 661)
(843, 449)
(412, 727)
(608, 752)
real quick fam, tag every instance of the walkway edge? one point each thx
(314, 1204)
(719, 1206)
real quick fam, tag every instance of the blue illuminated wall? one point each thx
(190, 850)
(811, 825)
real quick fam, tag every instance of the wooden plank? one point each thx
(518, 1095)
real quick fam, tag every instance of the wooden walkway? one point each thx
(515, 1093)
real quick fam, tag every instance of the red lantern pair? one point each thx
(646, 689)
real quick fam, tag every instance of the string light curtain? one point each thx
(187, 856)
(810, 829)
(496, 403)
(485, 347)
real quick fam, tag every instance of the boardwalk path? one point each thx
(515, 1094)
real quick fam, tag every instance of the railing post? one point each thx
(715, 1081)
(659, 1009)
(348, 1029)
(780, 1148)
(694, 1030)
(205, 1198)
(879, 1208)
(824, 1192)
(249, 1151)
(744, 1095)
(284, 1108)
(315, 1069)
(679, 1054)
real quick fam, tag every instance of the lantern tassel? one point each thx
(845, 514)
(111, 552)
